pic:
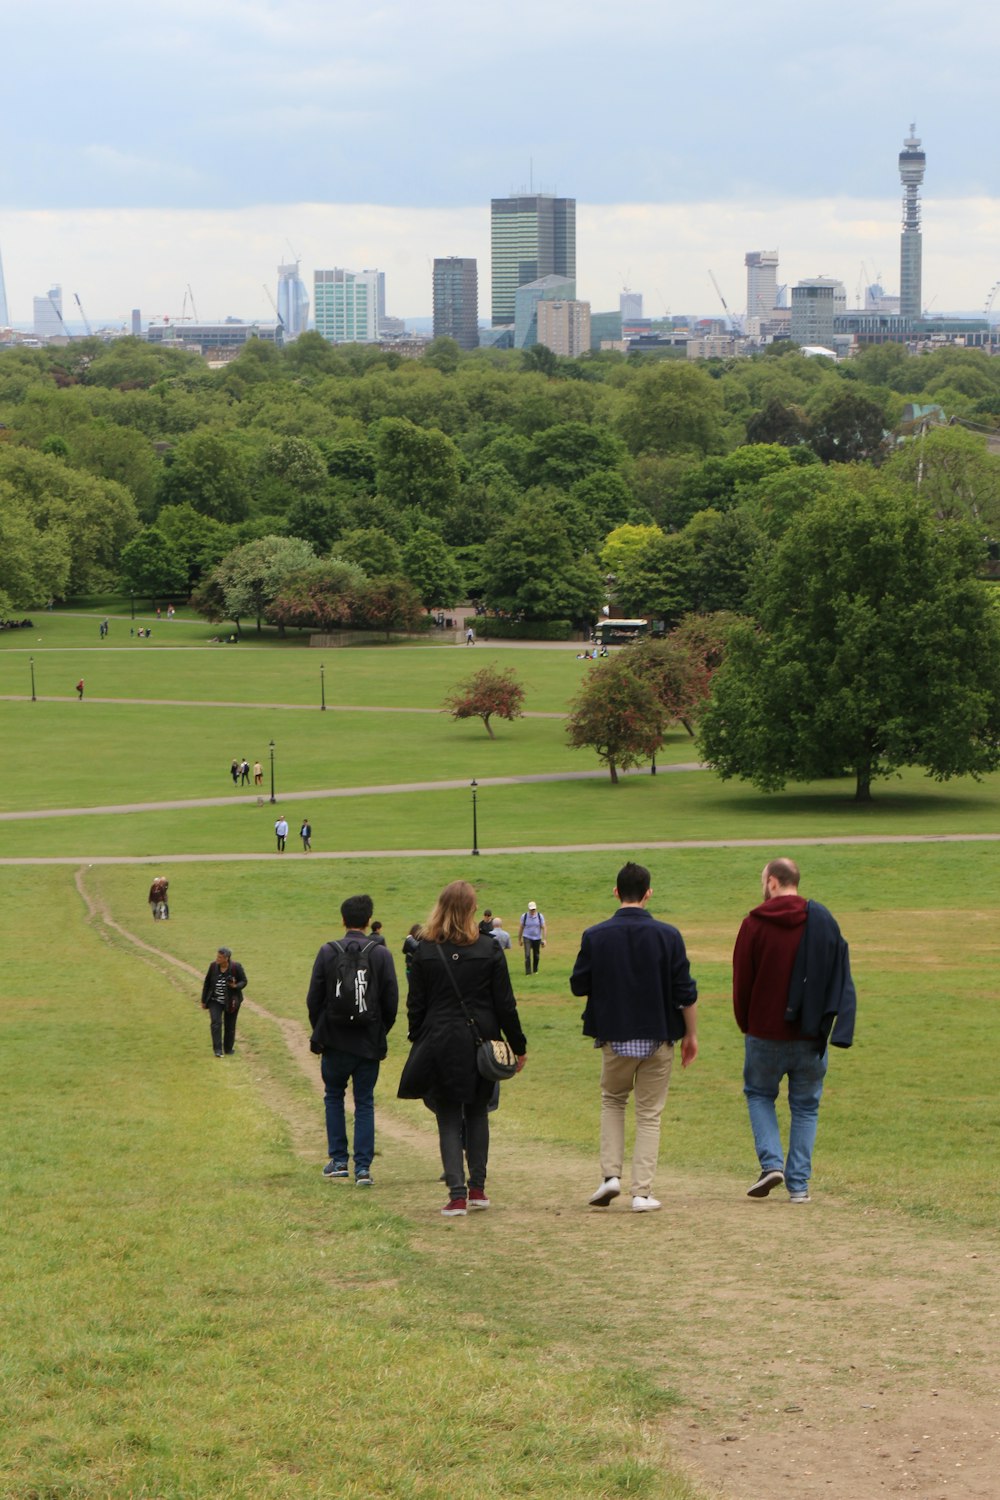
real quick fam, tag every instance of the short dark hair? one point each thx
(785, 871)
(633, 882)
(356, 911)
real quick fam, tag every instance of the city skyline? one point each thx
(203, 144)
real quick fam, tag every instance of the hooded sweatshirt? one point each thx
(763, 961)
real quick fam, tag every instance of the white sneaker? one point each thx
(609, 1188)
(642, 1205)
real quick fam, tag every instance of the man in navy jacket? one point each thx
(641, 999)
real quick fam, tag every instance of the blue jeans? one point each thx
(338, 1069)
(765, 1065)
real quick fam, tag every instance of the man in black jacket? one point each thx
(222, 996)
(352, 1053)
(641, 999)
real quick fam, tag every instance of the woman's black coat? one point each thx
(442, 1060)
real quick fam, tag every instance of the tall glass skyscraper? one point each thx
(293, 301)
(532, 236)
(456, 300)
(346, 305)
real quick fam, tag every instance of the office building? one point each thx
(136, 323)
(345, 305)
(532, 236)
(762, 283)
(564, 327)
(293, 301)
(4, 314)
(911, 174)
(456, 300)
(630, 306)
(526, 300)
(815, 304)
(47, 319)
(218, 342)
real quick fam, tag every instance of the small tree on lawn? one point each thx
(488, 693)
(619, 716)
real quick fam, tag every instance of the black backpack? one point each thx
(352, 986)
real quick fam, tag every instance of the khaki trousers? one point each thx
(649, 1079)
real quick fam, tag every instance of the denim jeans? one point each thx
(222, 1023)
(338, 1069)
(532, 948)
(765, 1065)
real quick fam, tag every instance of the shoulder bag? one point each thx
(495, 1060)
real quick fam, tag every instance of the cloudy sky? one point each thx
(153, 145)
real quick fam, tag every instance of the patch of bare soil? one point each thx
(816, 1349)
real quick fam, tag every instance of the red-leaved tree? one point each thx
(488, 693)
(618, 715)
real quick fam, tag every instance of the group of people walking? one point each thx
(792, 994)
(240, 772)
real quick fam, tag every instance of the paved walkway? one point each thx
(342, 708)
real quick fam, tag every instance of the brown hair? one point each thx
(785, 872)
(453, 918)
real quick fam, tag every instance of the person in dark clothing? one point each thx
(377, 935)
(641, 1000)
(791, 982)
(411, 943)
(222, 996)
(486, 923)
(441, 1068)
(353, 1054)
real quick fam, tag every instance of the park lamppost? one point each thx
(31, 659)
(475, 829)
(322, 688)
(271, 748)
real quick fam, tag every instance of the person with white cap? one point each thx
(531, 935)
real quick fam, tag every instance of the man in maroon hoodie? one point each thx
(791, 981)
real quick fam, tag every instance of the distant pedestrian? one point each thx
(158, 899)
(234, 771)
(79, 690)
(411, 943)
(499, 935)
(305, 834)
(281, 833)
(222, 996)
(378, 936)
(531, 935)
(244, 772)
(470, 636)
(258, 773)
(486, 923)
(158, 612)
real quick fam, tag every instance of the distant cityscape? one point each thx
(533, 301)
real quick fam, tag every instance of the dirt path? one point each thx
(817, 1350)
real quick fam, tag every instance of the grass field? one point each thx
(190, 1311)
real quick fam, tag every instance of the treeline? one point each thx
(518, 479)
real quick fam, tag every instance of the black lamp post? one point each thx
(475, 829)
(31, 660)
(322, 688)
(271, 748)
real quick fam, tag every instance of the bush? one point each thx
(491, 628)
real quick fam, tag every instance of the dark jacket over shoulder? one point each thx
(234, 991)
(822, 999)
(442, 1060)
(360, 1041)
(634, 972)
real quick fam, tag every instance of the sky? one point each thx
(162, 151)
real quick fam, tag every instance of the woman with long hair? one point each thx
(441, 1068)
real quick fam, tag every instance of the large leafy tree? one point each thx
(152, 566)
(206, 470)
(618, 715)
(249, 578)
(876, 647)
(676, 670)
(492, 692)
(955, 474)
(415, 465)
(432, 569)
(531, 568)
(672, 408)
(96, 516)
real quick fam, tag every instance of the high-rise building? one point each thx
(762, 282)
(532, 236)
(4, 314)
(526, 300)
(346, 305)
(630, 306)
(564, 327)
(912, 162)
(815, 304)
(48, 320)
(456, 300)
(136, 323)
(293, 301)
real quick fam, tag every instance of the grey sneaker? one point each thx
(802, 1196)
(609, 1188)
(336, 1169)
(362, 1179)
(766, 1183)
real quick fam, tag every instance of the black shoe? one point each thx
(766, 1183)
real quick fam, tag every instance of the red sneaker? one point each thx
(455, 1209)
(478, 1198)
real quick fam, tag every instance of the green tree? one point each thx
(249, 578)
(492, 692)
(207, 471)
(727, 552)
(531, 568)
(659, 580)
(675, 668)
(672, 408)
(570, 451)
(955, 474)
(370, 549)
(319, 597)
(95, 516)
(847, 426)
(618, 715)
(34, 563)
(876, 648)
(150, 566)
(415, 465)
(431, 568)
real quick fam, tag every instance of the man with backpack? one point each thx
(352, 1002)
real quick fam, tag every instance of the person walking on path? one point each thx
(158, 898)
(531, 935)
(454, 959)
(352, 1050)
(641, 1001)
(281, 832)
(244, 772)
(258, 773)
(792, 993)
(234, 771)
(222, 996)
(79, 691)
(501, 937)
(470, 636)
(305, 834)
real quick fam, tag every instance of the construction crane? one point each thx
(734, 327)
(58, 312)
(185, 315)
(267, 294)
(83, 315)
